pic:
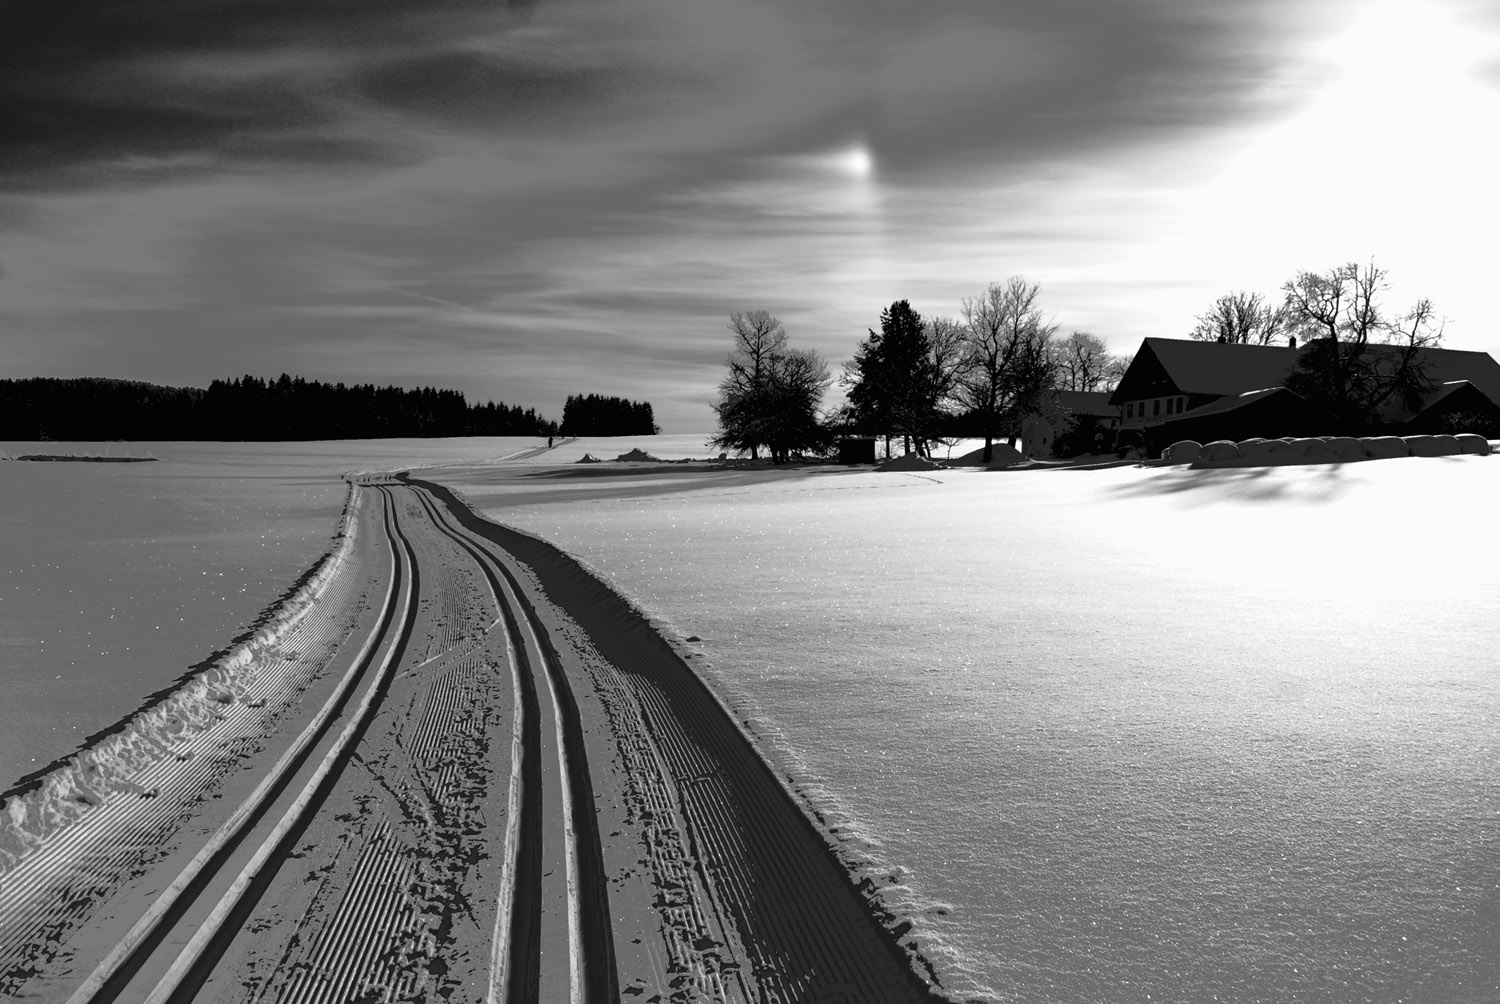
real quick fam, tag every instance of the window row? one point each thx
(1159, 406)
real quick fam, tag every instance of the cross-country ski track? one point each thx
(463, 770)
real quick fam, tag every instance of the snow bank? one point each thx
(635, 456)
(910, 462)
(105, 769)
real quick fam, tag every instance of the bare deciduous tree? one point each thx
(1114, 370)
(1357, 359)
(771, 393)
(1009, 367)
(1241, 318)
(1081, 361)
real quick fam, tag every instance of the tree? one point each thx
(1357, 360)
(596, 415)
(899, 377)
(771, 394)
(1114, 370)
(1009, 368)
(758, 337)
(1081, 361)
(1241, 318)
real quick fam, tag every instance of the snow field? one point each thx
(253, 671)
(1184, 732)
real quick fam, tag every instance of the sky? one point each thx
(536, 198)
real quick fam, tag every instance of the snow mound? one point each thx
(1219, 449)
(910, 462)
(1184, 451)
(587, 459)
(1434, 446)
(1312, 451)
(636, 455)
(1473, 443)
(1345, 447)
(1385, 447)
(1266, 451)
(1001, 455)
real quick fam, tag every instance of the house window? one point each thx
(1130, 410)
(1156, 407)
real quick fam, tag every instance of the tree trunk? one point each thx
(989, 447)
(754, 454)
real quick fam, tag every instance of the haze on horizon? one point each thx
(529, 200)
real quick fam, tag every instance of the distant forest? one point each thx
(250, 409)
(607, 416)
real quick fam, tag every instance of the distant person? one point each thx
(549, 442)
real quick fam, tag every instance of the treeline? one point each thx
(249, 408)
(594, 415)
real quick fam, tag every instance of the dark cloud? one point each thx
(86, 82)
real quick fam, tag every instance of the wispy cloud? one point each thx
(530, 200)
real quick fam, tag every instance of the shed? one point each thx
(857, 450)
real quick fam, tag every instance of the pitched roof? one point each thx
(1195, 367)
(1214, 368)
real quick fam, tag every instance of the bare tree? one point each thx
(1009, 366)
(1081, 359)
(1241, 318)
(1357, 358)
(758, 338)
(1114, 370)
(771, 394)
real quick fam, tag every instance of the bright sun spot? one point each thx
(855, 161)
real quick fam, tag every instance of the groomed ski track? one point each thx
(469, 772)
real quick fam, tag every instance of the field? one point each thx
(1113, 735)
(1127, 734)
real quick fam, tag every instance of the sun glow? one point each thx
(857, 161)
(1387, 157)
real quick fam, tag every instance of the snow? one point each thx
(116, 578)
(1189, 732)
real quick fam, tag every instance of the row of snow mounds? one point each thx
(1324, 449)
(90, 777)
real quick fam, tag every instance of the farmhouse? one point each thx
(1179, 389)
